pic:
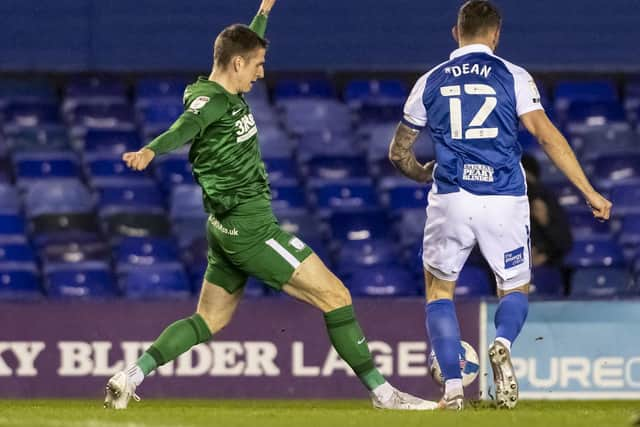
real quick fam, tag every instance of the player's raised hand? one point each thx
(266, 6)
(138, 160)
(600, 206)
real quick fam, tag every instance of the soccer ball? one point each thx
(469, 365)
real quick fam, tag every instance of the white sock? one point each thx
(383, 392)
(135, 374)
(505, 341)
(453, 387)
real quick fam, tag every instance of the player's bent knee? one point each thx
(524, 289)
(339, 296)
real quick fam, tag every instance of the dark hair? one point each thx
(531, 165)
(476, 17)
(236, 40)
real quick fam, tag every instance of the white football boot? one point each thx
(120, 389)
(504, 376)
(452, 403)
(403, 402)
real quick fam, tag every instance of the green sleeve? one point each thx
(206, 110)
(259, 24)
(181, 132)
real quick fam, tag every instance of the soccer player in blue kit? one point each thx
(472, 105)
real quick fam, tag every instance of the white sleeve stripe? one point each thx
(413, 122)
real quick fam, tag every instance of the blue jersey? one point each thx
(471, 105)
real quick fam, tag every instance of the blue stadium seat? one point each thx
(10, 202)
(83, 118)
(473, 282)
(382, 281)
(584, 226)
(301, 223)
(592, 145)
(151, 90)
(274, 142)
(305, 115)
(409, 226)
(358, 254)
(595, 252)
(546, 282)
(625, 198)
(287, 194)
(401, 193)
(570, 199)
(320, 249)
(103, 168)
(30, 90)
(12, 227)
(129, 196)
(629, 233)
(173, 170)
(336, 167)
(133, 252)
(31, 115)
(355, 193)
(567, 92)
(378, 136)
(594, 113)
(326, 143)
(37, 139)
(358, 224)
(19, 282)
(187, 213)
(16, 252)
(70, 251)
(94, 90)
(32, 167)
(615, 169)
(157, 118)
(358, 92)
(57, 197)
(159, 281)
(82, 280)
(258, 95)
(600, 282)
(303, 88)
(280, 168)
(111, 141)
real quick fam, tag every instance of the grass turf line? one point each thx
(267, 413)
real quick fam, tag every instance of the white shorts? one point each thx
(499, 224)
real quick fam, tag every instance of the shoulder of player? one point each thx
(207, 98)
(515, 70)
(422, 80)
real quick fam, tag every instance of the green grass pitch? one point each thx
(259, 413)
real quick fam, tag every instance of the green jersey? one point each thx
(225, 155)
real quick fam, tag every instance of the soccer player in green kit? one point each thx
(243, 234)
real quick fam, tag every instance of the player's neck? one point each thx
(223, 80)
(481, 41)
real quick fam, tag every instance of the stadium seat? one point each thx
(473, 282)
(358, 224)
(151, 90)
(129, 196)
(567, 92)
(614, 169)
(355, 193)
(546, 282)
(359, 92)
(113, 117)
(305, 115)
(591, 145)
(301, 223)
(409, 226)
(302, 88)
(133, 252)
(105, 168)
(111, 141)
(130, 224)
(280, 168)
(584, 226)
(326, 143)
(570, 199)
(158, 281)
(10, 202)
(31, 167)
(382, 281)
(35, 91)
(12, 227)
(629, 233)
(625, 198)
(358, 254)
(173, 170)
(336, 167)
(94, 90)
(16, 252)
(187, 213)
(258, 95)
(582, 116)
(401, 193)
(82, 280)
(156, 118)
(69, 251)
(600, 282)
(287, 194)
(595, 252)
(57, 197)
(377, 138)
(19, 282)
(31, 115)
(37, 139)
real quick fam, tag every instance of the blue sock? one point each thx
(444, 334)
(510, 315)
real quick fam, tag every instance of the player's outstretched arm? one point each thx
(259, 23)
(181, 132)
(558, 149)
(404, 159)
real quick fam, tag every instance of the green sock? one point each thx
(349, 341)
(177, 338)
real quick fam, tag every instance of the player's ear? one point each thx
(454, 33)
(237, 63)
(496, 38)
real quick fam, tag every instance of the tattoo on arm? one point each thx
(402, 156)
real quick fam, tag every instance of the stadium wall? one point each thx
(163, 35)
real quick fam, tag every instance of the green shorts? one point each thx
(251, 244)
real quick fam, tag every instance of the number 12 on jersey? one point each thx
(474, 131)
